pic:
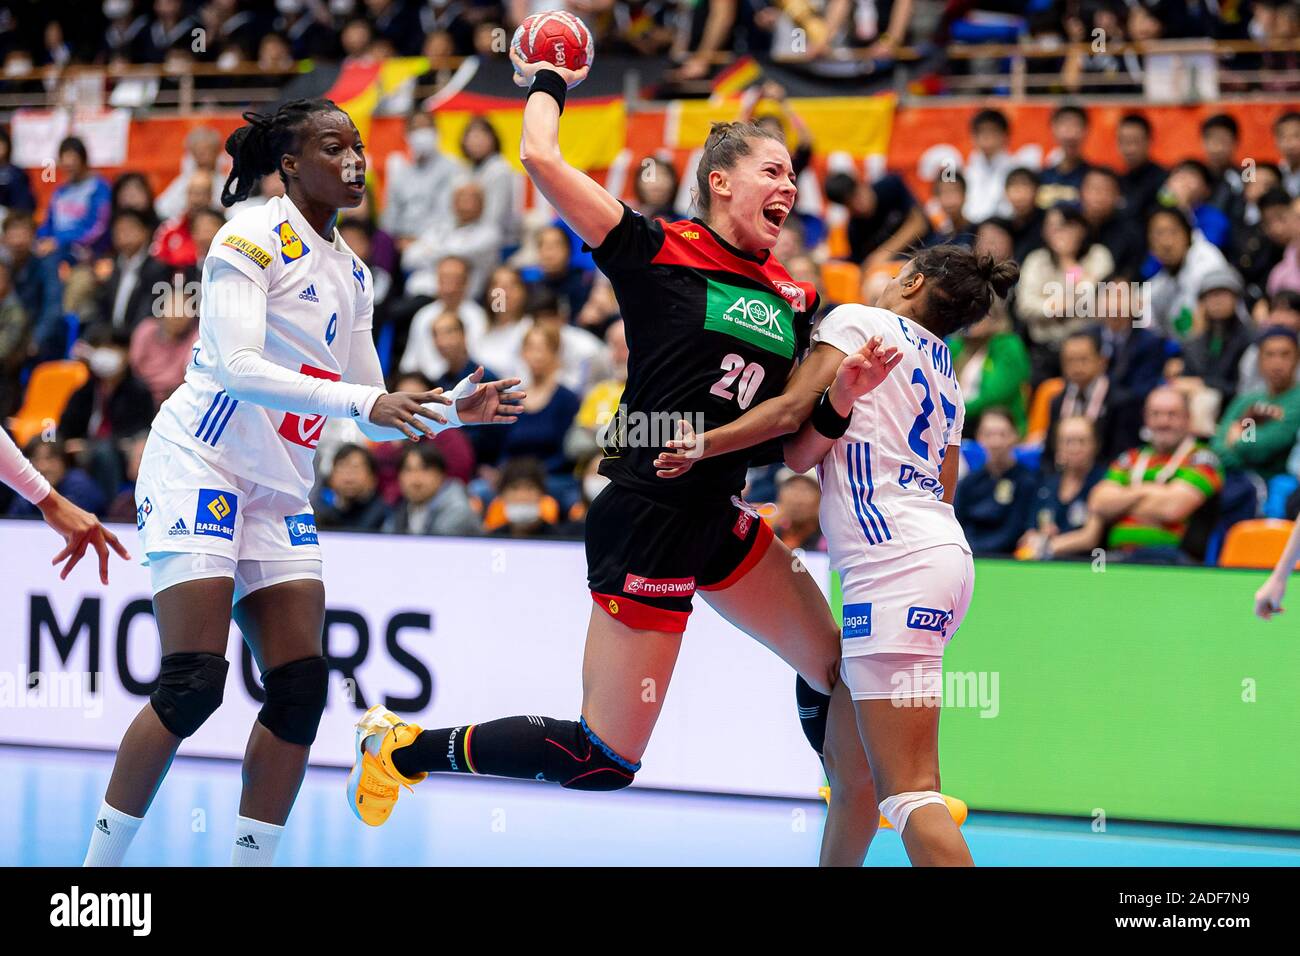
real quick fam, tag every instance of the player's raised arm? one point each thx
(580, 201)
(1268, 599)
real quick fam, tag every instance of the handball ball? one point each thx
(556, 37)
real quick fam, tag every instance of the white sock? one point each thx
(255, 842)
(111, 836)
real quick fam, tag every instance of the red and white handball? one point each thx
(556, 37)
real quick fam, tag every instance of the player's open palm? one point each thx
(80, 530)
(491, 403)
(862, 371)
(403, 411)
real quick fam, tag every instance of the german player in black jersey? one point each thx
(714, 326)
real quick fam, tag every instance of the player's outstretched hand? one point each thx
(491, 403)
(1268, 599)
(862, 371)
(403, 411)
(525, 71)
(80, 529)
(680, 453)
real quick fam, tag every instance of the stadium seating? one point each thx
(1257, 543)
(48, 391)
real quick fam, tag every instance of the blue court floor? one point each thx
(48, 800)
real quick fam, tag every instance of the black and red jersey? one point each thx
(712, 331)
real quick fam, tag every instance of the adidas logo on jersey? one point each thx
(178, 528)
(309, 294)
(247, 842)
(102, 825)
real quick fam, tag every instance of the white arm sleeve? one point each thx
(364, 368)
(234, 307)
(19, 474)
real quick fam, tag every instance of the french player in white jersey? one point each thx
(222, 507)
(886, 449)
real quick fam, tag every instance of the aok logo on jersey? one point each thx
(751, 315)
(305, 430)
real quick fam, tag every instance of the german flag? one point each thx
(736, 78)
(360, 86)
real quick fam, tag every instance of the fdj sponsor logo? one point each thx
(857, 620)
(760, 318)
(302, 529)
(142, 513)
(928, 619)
(216, 513)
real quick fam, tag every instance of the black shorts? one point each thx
(646, 560)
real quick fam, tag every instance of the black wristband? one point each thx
(548, 81)
(827, 420)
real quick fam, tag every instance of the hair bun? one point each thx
(1001, 276)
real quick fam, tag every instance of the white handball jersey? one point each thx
(881, 496)
(318, 293)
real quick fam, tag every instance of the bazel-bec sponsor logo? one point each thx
(928, 619)
(302, 529)
(857, 620)
(74, 908)
(658, 587)
(215, 514)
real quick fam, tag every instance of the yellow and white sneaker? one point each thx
(374, 783)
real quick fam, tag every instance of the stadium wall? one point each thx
(1128, 693)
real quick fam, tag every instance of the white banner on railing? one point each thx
(444, 631)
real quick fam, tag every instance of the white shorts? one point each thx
(898, 617)
(188, 505)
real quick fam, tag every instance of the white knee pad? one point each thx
(898, 807)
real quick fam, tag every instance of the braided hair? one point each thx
(256, 148)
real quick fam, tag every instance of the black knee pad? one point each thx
(295, 699)
(190, 688)
(577, 759)
(814, 708)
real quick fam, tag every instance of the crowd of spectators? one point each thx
(832, 39)
(1149, 346)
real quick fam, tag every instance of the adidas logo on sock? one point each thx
(247, 842)
(309, 294)
(179, 528)
(102, 825)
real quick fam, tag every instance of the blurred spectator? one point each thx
(1100, 199)
(1286, 135)
(307, 28)
(121, 506)
(600, 404)
(555, 270)
(129, 278)
(656, 188)
(1150, 494)
(1185, 259)
(204, 226)
(1026, 216)
(449, 340)
(1055, 285)
(1220, 138)
(15, 188)
(583, 357)
(383, 248)
(994, 501)
(1286, 274)
(602, 309)
(232, 32)
(169, 29)
(161, 346)
(275, 54)
(398, 23)
(471, 235)
(992, 367)
(173, 243)
(419, 187)
(591, 484)
(549, 409)
(798, 523)
(37, 285)
(1188, 189)
(523, 498)
(1259, 429)
(1260, 234)
(15, 342)
(1214, 354)
(1284, 312)
(884, 217)
(953, 227)
(1141, 180)
(76, 222)
(131, 190)
(421, 353)
(431, 502)
(988, 165)
(111, 404)
(1135, 354)
(53, 461)
(203, 149)
(1060, 182)
(125, 33)
(502, 186)
(506, 301)
(1116, 418)
(1060, 514)
(350, 499)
